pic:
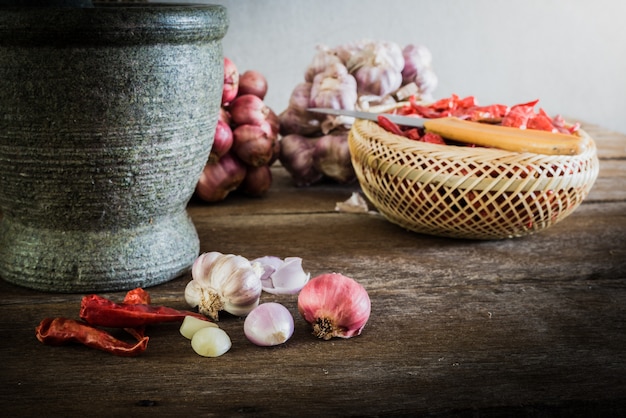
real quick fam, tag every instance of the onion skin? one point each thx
(219, 179)
(253, 82)
(335, 306)
(231, 81)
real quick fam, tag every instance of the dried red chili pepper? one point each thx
(432, 138)
(389, 126)
(97, 310)
(59, 331)
(137, 295)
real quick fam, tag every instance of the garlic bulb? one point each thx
(416, 59)
(323, 58)
(224, 282)
(334, 88)
(377, 68)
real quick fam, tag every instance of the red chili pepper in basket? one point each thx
(389, 126)
(59, 331)
(97, 310)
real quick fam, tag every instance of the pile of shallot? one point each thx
(245, 143)
(354, 76)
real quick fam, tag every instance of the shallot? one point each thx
(248, 109)
(335, 306)
(254, 144)
(253, 82)
(218, 179)
(222, 141)
(258, 181)
(269, 324)
(231, 81)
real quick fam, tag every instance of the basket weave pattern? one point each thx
(467, 192)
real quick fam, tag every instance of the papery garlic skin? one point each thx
(224, 282)
(282, 277)
(335, 305)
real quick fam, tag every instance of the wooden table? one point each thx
(533, 326)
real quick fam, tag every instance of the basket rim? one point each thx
(481, 153)
(369, 130)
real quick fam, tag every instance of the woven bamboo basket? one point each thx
(468, 192)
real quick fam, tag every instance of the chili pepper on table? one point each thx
(100, 311)
(59, 331)
(138, 295)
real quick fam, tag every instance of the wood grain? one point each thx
(534, 326)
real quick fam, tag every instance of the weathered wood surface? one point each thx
(534, 326)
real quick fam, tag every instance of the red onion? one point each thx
(254, 144)
(219, 179)
(332, 158)
(296, 155)
(231, 81)
(335, 305)
(269, 324)
(248, 110)
(258, 181)
(222, 141)
(253, 82)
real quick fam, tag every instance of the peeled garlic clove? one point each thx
(191, 325)
(210, 342)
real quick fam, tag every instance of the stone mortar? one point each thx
(107, 117)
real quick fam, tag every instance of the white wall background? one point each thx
(570, 54)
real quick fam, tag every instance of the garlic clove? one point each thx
(191, 325)
(211, 342)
